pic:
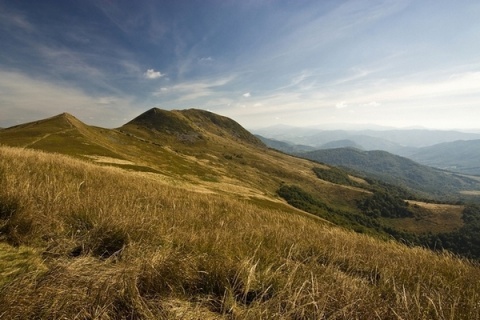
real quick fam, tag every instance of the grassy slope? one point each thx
(429, 217)
(64, 134)
(195, 149)
(226, 159)
(117, 244)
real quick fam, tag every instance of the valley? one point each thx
(446, 150)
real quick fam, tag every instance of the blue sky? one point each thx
(329, 63)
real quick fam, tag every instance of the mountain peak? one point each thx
(191, 125)
(66, 118)
(62, 120)
(221, 125)
(65, 115)
(164, 121)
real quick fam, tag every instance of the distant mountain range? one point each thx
(285, 146)
(460, 156)
(452, 150)
(394, 169)
(369, 139)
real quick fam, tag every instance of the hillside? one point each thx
(105, 243)
(187, 214)
(62, 133)
(213, 154)
(459, 156)
(191, 147)
(396, 170)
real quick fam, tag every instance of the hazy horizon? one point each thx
(283, 126)
(397, 63)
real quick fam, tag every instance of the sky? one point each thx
(324, 63)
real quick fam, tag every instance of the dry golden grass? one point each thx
(18, 261)
(116, 245)
(430, 217)
(109, 160)
(357, 179)
(219, 163)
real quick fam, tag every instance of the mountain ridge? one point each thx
(220, 158)
(394, 169)
(201, 151)
(188, 126)
(443, 151)
(397, 141)
(62, 133)
(459, 156)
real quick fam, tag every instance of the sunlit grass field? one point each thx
(84, 241)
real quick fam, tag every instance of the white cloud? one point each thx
(247, 95)
(106, 100)
(206, 59)
(341, 105)
(371, 104)
(152, 74)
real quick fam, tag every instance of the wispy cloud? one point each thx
(354, 74)
(152, 74)
(299, 78)
(26, 99)
(395, 102)
(313, 29)
(88, 71)
(77, 55)
(14, 20)
(206, 59)
(190, 91)
(434, 86)
(371, 104)
(317, 62)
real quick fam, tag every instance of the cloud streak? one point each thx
(190, 91)
(37, 98)
(319, 62)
